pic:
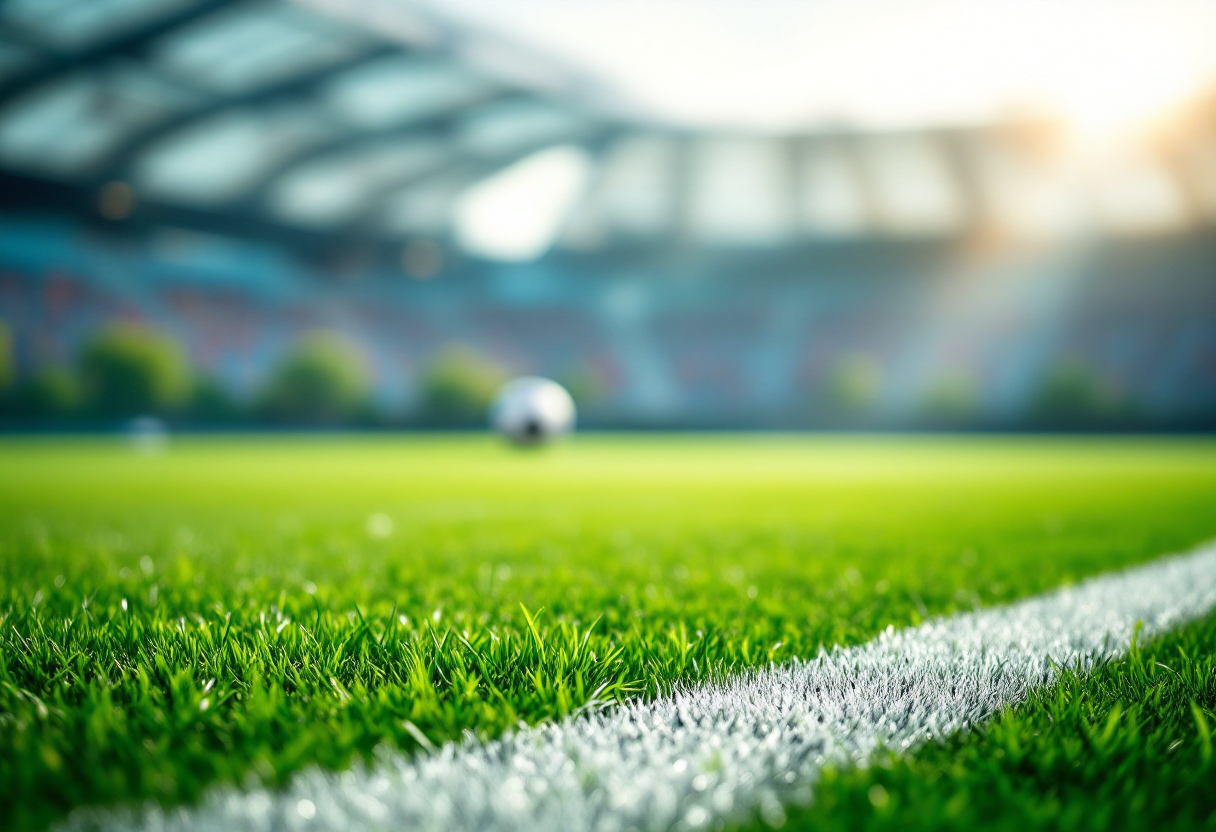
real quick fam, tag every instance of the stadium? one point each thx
(855, 365)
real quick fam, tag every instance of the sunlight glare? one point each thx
(517, 213)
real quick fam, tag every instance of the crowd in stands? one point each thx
(1122, 337)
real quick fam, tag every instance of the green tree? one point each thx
(457, 388)
(951, 401)
(128, 369)
(853, 387)
(1072, 395)
(323, 379)
(210, 402)
(50, 393)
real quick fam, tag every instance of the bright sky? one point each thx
(1104, 68)
(791, 64)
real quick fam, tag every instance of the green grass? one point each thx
(1127, 747)
(222, 611)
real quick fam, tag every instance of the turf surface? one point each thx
(1127, 747)
(240, 608)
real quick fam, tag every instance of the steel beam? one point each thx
(56, 64)
(441, 126)
(119, 162)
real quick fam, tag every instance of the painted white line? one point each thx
(722, 751)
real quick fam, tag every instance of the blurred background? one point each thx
(863, 214)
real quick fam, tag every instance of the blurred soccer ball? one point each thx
(147, 434)
(532, 411)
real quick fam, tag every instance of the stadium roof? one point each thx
(273, 118)
(257, 111)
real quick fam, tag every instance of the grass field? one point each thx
(1128, 747)
(242, 608)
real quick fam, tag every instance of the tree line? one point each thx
(127, 370)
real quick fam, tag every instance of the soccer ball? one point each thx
(532, 411)
(147, 434)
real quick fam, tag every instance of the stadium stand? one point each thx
(709, 344)
(237, 173)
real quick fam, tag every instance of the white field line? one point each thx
(718, 752)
